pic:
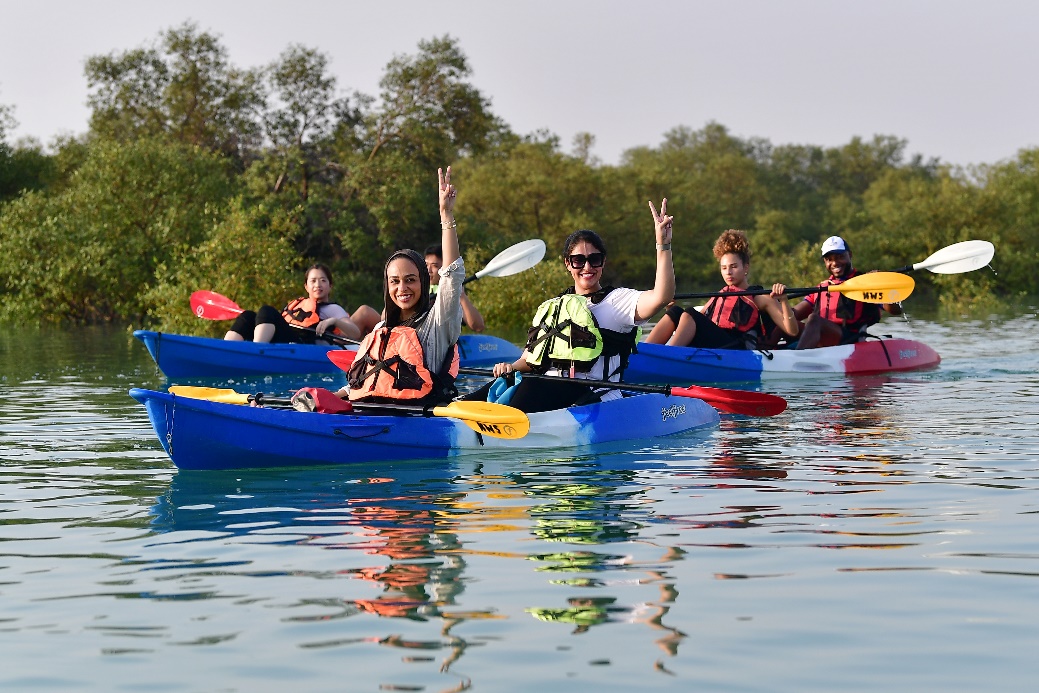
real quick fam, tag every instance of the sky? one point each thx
(955, 78)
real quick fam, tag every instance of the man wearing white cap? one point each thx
(831, 317)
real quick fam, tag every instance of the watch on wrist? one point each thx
(663, 246)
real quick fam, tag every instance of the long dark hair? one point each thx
(393, 318)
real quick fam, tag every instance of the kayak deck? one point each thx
(200, 434)
(184, 356)
(658, 363)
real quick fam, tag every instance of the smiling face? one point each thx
(404, 285)
(733, 270)
(318, 287)
(586, 279)
(838, 264)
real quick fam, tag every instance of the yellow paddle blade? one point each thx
(213, 394)
(488, 418)
(877, 287)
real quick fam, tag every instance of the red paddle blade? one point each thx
(735, 401)
(343, 359)
(210, 305)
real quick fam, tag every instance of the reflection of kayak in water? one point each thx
(659, 363)
(183, 356)
(200, 434)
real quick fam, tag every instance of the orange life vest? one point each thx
(390, 366)
(302, 312)
(733, 312)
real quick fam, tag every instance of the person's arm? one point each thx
(448, 225)
(345, 325)
(519, 365)
(663, 292)
(778, 306)
(803, 309)
(337, 318)
(892, 308)
(472, 316)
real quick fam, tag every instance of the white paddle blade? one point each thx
(959, 258)
(517, 258)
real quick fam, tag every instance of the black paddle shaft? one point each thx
(631, 387)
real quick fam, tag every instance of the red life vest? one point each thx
(853, 315)
(390, 366)
(733, 312)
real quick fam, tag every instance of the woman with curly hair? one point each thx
(728, 322)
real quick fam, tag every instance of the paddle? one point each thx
(957, 258)
(874, 287)
(488, 418)
(732, 401)
(514, 259)
(209, 305)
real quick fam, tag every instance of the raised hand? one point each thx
(662, 223)
(447, 192)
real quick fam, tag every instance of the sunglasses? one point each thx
(577, 260)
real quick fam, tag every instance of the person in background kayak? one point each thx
(588, 331)
(728, 322)
(833, 318)
(305, 319)
(412, 356)
(434, 261)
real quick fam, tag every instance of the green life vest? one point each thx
(565, 334)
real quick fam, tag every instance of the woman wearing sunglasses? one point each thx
(588, 331)
(728, 322)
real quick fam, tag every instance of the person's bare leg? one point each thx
(685, 332)
(366, 318)
(233, 336)
(662, 331)
(817, 330)
(264, 332)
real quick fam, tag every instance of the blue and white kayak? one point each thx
(201, 434)
(183, 356)
(659, 363)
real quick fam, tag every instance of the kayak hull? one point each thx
(200, 434)
(658, 363)
(183, 356)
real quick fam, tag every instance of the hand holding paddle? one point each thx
(732, 401)
(874, 287)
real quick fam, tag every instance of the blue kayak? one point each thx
(201, 434)
(659, 363)
(183, 356)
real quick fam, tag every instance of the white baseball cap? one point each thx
(834, 244)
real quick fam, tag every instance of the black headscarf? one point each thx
(392, 309)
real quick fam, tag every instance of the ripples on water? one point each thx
(880, 535)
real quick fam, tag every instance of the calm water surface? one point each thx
(880, 535)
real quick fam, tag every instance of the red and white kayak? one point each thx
(658, 363)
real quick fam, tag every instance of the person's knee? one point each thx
(267, 314)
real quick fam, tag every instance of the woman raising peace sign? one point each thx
(588, 331)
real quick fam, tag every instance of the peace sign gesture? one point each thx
(447, 192)
(662, 224)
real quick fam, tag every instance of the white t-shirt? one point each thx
(331, 310)
(615, 312)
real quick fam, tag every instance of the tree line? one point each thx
(198, 174)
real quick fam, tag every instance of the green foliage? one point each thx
(247, 257)
(22, 167)
(89, 252)
(185, 89)
(197, 174)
